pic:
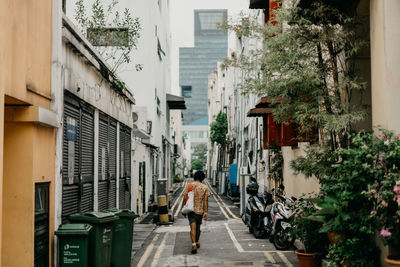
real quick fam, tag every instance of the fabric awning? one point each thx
(175, 102)
(259, 112)
(258, 4)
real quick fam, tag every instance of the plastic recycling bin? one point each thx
(123, 236)
(73, 244)
(100, 238)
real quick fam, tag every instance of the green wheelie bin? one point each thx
(73, 244)
(123, 236)
(100, 239)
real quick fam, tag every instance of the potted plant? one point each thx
(308, 232)
(385, 195)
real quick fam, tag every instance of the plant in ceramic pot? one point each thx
(307, 231)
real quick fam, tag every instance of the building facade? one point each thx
(195, 63)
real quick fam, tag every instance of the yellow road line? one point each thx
(219, 205)
(159, 251)
(269, 257)
(147, 252)
(223, 203)
(284, 259)
(179, 207)
(177, 200)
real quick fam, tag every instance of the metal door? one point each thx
(78, 155)
(41, 225)
(125, 167)
(107, 162)
(142, 182)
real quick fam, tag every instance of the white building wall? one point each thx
(153, 82)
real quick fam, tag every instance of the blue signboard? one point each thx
(71, 129)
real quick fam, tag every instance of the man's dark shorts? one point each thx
(195, 218)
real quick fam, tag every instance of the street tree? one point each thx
(305, 62)
(200, 151)
(197, 164)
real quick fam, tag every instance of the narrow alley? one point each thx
(225, 240)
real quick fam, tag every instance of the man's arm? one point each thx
(185, 196)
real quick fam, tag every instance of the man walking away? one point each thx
(200, 208)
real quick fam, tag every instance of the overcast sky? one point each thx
(182, 26)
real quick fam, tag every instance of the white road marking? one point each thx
(147, 252)
(233, 238)
(269, 257)
(159, 251)
(284, 259)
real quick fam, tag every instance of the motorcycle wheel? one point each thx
(282, 239)
(257, 228)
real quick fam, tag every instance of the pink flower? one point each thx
(384, 203)
(384, 138)
(372, 191)
(397, 138)
(379, 135)
(396, 189)
(398, 200)
(385, 233)
(373, 212)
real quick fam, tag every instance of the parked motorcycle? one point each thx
(257, 214)
(280, 214)
(266, 218)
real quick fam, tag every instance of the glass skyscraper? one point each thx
(196, 63)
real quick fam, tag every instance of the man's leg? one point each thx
(193, 232)
(197, 232)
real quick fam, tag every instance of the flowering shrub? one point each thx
(363, 178)
(385, 191)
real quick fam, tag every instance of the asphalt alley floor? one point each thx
(225, 241)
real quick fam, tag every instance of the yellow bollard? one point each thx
(162, 209)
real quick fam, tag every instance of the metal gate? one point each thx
(125, 167)
(107, 162)
(41, 225)
(142, 183)
(78, 157)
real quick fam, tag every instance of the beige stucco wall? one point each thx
(385, 67)
(28, 149)
(296, 185)
(385, 61)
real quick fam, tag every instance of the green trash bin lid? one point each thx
(94, 217)
(74, 229)
(123, 213)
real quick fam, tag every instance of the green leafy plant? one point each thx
(115, 34)
(345, 208)
(200, 151)
(306, 59)
(384, 193)
(308, 231)
(219, 129)
(197, 164)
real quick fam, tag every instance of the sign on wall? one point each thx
(71, 137)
